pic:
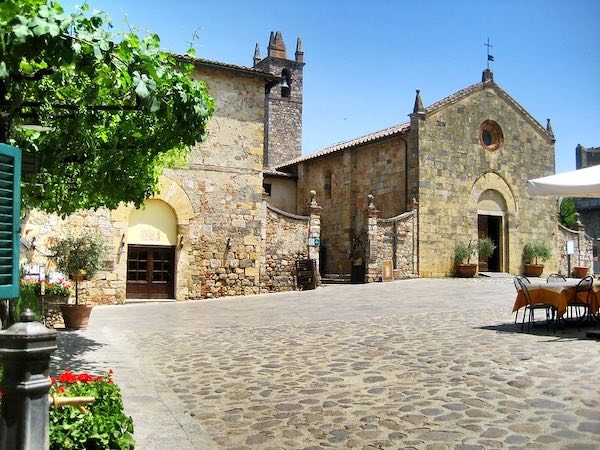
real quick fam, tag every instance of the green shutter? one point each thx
(10, 202)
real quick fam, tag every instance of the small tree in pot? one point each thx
(485, 248)
(80, 257)
(533, 254)
(462, 260)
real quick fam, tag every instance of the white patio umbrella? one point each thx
(576, 183)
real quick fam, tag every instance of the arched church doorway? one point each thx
(491, 222)
(151, 238)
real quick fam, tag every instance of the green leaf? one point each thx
(21, 32)
(3, 70)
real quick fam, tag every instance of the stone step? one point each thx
(335, 278)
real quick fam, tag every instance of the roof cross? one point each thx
(489, 57)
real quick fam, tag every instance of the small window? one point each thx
(267, 189)
(286, 83)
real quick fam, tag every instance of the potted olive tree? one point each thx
(80, 257)
(485, 248)
(535, 253)
(462, 260)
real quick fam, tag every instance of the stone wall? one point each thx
(342, 182)
(455, 168)
(393, 239)
(286, 242)
(41, 230)
(583, 249)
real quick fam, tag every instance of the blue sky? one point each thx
(364, 59)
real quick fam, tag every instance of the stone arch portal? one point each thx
(154, 236)
(493, 198)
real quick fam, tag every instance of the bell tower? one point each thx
(283, 102)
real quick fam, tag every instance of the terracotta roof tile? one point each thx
(396, 129)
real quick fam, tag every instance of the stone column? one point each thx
(414, 206)
(314, 233)
(372, 272)
(25, 349)
(582, 258)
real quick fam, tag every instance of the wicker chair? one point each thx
(531, 307)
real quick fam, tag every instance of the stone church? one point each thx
(454, 172)
(247, 204)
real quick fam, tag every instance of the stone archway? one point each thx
(171, 201)
(493, 200)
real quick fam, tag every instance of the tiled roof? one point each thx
(406, 126)
(397, 129)
(277, 173)
(242, 69)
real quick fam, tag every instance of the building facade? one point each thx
(207, 232)
(589, 208)
(465, 160)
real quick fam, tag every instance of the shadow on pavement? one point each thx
(72, 348)
(564, 331)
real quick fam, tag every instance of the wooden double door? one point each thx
(150, 271)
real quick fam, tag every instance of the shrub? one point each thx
(463, 253)
(568, 213)
(28, 298)
(485, 247)
(532, 252)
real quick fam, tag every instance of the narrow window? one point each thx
(286, 83)
(267, 189)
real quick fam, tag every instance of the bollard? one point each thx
(25, 349)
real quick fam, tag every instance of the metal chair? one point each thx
(550, 309)
(585, 288)
(518, 288)
(555, 278)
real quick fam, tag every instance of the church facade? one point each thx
(465, 160)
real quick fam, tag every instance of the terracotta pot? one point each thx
(580, 272)
(76, 316)
(466, 270)
(534, 270)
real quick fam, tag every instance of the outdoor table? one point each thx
(559, 295)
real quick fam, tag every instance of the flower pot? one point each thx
(580, 272)
(534, 270)
(466, 270)
(76, 316)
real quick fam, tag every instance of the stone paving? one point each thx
(425, 364)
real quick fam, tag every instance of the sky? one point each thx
(365, 59)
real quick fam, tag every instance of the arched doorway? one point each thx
(491, 222)
(151, 238)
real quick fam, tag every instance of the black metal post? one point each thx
(25, 349)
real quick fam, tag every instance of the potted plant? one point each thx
(485, 248)
(79, 256)
(580, 271)
(462, 260)
(533, 254)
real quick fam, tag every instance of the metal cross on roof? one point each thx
(489, 57)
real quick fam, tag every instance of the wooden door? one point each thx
(150, 271)
(482, 233)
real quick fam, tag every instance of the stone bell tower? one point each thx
(283, 102)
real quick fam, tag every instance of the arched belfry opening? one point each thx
(151, 238)
(491, 222)
(286, 83)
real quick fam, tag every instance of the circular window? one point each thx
(490, 135)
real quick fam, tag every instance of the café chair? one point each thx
(555, 278)
(531, 307)
(583, 297)
(517, 287)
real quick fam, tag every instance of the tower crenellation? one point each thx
(283, 103)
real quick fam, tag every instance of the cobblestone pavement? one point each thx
(426, 364)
